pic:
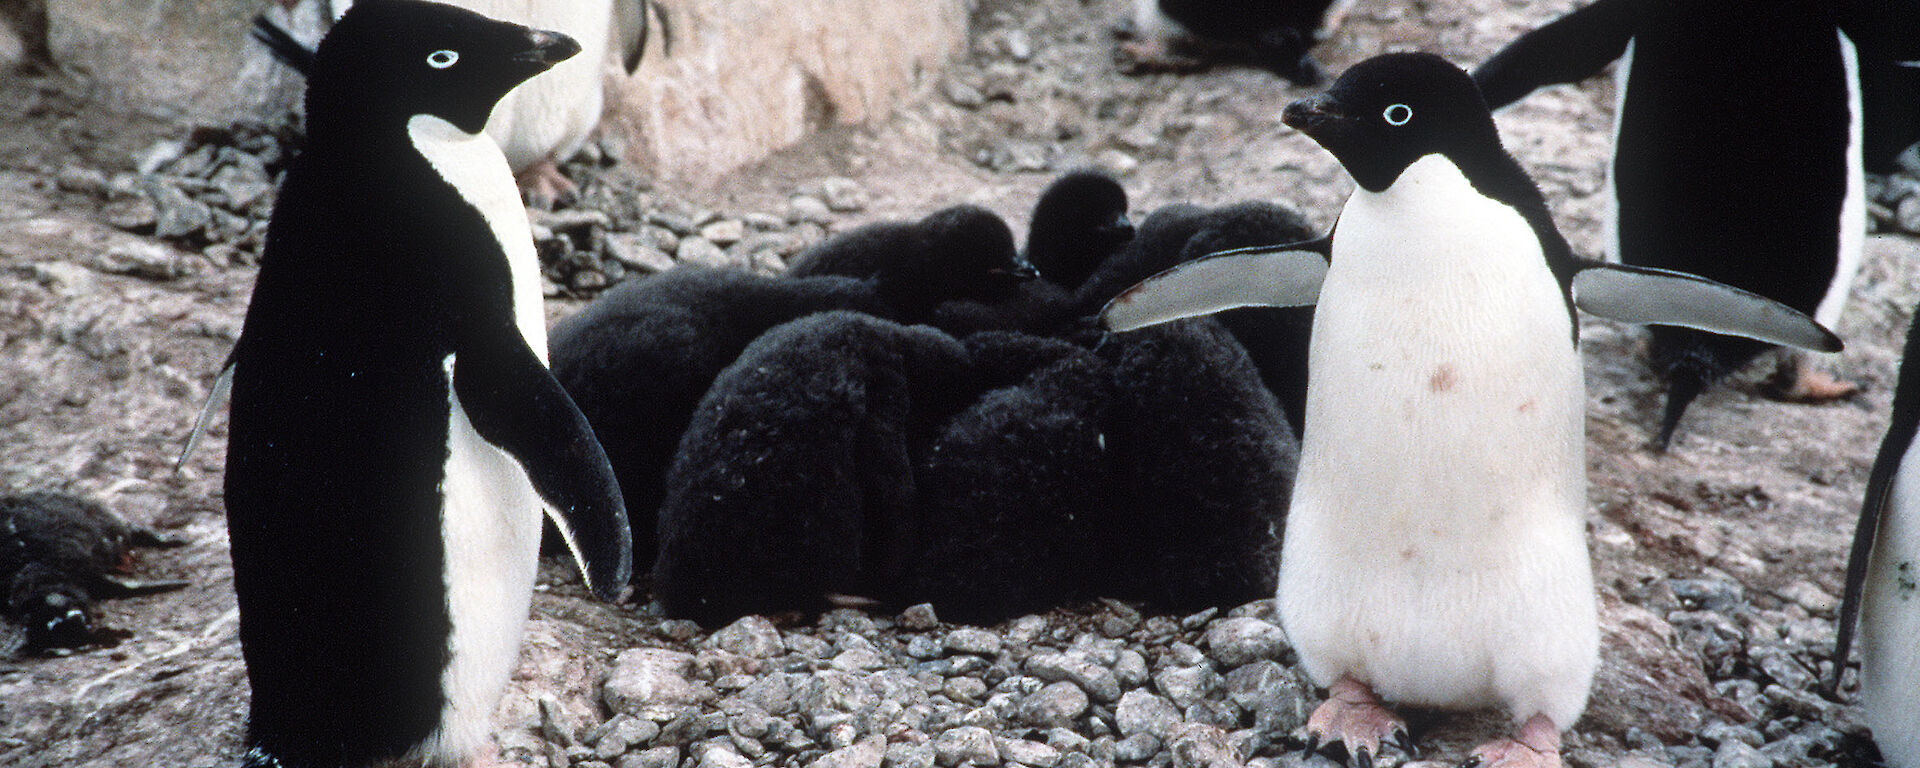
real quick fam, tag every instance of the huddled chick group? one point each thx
(917, 412)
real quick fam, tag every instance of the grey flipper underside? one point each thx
(515, 403)
(631, 25)
(1645, 295)
(1265, 276)
(222, 386)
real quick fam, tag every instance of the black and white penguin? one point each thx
(1717, 169)
(794, 479)
(640, 357)
(395, 433)
(1275, 35)
(1435, 549)
(58, 554)
(1883, 577)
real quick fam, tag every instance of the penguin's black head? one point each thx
(1080, 220)
(962, 252)
(395, 59)
(1388, 111)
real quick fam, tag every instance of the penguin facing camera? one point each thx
(1435, 551)
(1274, 35)
(1719, 171)
(392, 410)
(639, 358)
(59, 554)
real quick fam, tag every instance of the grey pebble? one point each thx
(909, 755)
(143, 259)
(1026, 752)
(866, 753)
(966, 745)
(1136, 748)
(919, 618)
(808, 209)
(1186, 686)
(724, 232)
(1202, 746)
(1734, 754)
(978, 642)
(1099, 682)
(1057, 705)
(843, 195)
(751, 636)
(716, 756)
(701, 252)
(651, 680)
(1141, 712)
(1237, 641)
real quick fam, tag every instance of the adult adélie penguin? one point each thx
(395, 433)
(1883, 580)
(1719, 167)
(1435, 551)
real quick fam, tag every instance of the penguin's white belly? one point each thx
(1435, 548)
(490, 532)
(1890, 620)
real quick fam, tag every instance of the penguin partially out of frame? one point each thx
(1883, 577)
(1737, 155)
(1435, 551)
(395, 433)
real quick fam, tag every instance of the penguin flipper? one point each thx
(631, 25)
(515, 403)
(1644, 295)
(283, 46)
(1264, 276)
(222, 386)
(1571, 48)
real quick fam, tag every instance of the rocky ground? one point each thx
(127, 239)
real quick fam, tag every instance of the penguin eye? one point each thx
(1397, 114)
(442, 59)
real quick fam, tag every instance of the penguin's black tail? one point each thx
(288, 51)
(1689, 361)
(1682, 387)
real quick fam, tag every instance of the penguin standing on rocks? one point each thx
(1435, 551)
(395, 433)
(1737, 156)
(1274, 35)
(1883, 579)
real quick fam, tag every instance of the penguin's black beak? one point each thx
(1318, 117)
(547, 48)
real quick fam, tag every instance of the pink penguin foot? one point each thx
(1537, 745)
(1801, 382)
(542, 185)
(1353, 716)
(1152, 53)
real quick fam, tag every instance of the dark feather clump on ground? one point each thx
(58, 554)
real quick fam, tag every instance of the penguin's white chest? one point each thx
(490, 513)
(1435, 547)
(1890, 619)
(473, 165)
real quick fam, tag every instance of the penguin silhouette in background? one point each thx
(1718, 169)
(395, 433)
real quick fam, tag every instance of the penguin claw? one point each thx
(1362, 758)
(1311, 743)
(1403, 740)
(1470, 762)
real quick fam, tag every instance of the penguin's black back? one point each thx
(1722, 172)
(374, 270)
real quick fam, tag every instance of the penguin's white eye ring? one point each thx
(442, 58)
(1397, 114)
